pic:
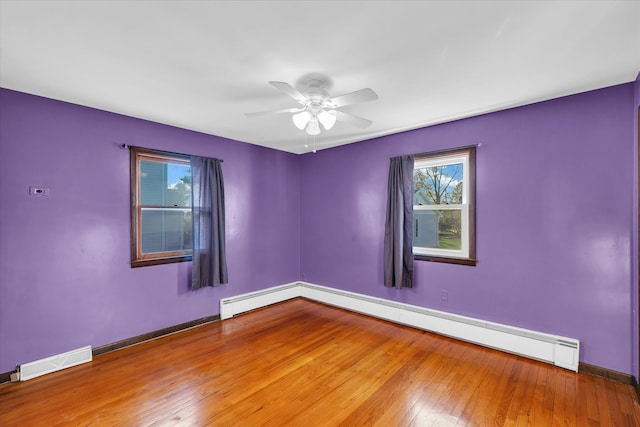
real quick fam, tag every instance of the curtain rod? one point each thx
(127, 146)
(443, 151)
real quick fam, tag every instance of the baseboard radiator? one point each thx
(560, 351)
(54, 363)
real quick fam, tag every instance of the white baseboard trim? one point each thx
(560, 351)
(231, 306)
(55, 363)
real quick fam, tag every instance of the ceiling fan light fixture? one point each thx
(301, 119)
(313, 128)
(327, 118)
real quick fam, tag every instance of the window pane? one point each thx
(439, 229)
(165, 184)
(438, 185)
(166, 230)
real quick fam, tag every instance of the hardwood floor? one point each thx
(306, 364)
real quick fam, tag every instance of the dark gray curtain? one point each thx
(398, 231)
(209, 265)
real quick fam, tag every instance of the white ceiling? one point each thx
(201, 65)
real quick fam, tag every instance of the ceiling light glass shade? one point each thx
(313, 128)
(301, 119)
(327, 118)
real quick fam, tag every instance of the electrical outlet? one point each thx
(38, 191)
(444, 295)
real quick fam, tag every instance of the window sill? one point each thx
(159, 261)
(446, 260)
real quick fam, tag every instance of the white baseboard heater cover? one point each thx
(560, 351)
(55, 363)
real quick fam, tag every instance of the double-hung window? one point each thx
(443, 206)
(160, 207)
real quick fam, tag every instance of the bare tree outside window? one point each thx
(441, 185)
(444, 206)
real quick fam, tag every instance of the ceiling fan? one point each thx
(318, 108)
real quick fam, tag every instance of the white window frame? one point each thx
(466, 254)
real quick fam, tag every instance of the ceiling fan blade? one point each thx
(291, 91)
(357, 97)
(283, 110)
(353, 120)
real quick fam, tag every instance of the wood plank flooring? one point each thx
(301, 363)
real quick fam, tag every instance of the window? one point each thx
(160, 207)
(443, 206)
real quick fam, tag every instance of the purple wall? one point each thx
(635, 278)
(554, 219)
(65, 280)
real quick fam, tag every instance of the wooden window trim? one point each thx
(137, 258)
(471, 174)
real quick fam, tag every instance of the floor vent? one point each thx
(55, 363)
